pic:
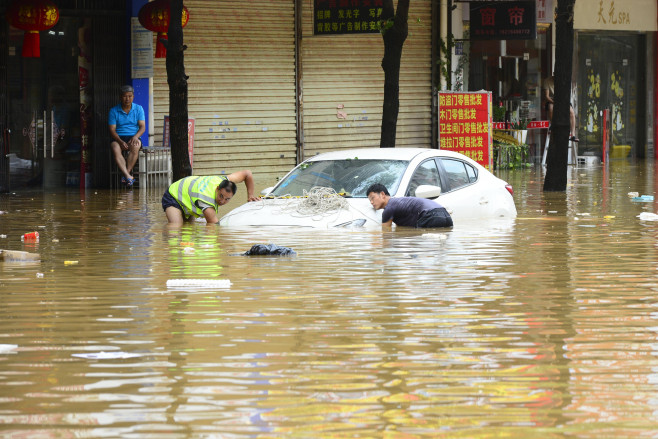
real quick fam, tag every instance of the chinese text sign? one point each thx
(465, 125)
(166, 141)
(503, 20)
(346, 16)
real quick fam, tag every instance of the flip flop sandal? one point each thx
(130, 182)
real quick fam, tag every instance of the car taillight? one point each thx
(509, 189)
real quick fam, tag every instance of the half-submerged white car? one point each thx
(329, 189)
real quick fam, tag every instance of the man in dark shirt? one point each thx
(407, 211)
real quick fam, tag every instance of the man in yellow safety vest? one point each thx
(193, 197)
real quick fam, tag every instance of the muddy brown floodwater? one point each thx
(545, 326)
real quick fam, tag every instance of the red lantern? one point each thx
(32, 16)
(154, 16)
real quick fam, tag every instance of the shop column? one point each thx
(139, 75)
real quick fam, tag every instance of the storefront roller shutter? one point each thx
(345, 71)
(240, 60)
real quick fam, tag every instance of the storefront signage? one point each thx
(545, 11)
(141, 45)
(636, 15)
(532, 125)
(465, 125)
(166, 141)
(544, 8)
(346, 16)
(503, 20)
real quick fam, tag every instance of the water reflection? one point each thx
(540, 327)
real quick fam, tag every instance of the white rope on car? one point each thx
(321, 200)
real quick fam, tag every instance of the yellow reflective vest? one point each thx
(189, 191)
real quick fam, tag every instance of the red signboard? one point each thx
(542, 124)
(190, 136)
(606, 136)
(533, 124)
(465, 125)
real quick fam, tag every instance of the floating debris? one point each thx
(107, 355)
(4, 348)
(269, 249)
(440, 236)
(199, 283)
(648, 216)
(18, 256)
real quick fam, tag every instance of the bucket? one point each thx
(620, 151)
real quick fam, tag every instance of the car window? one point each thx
(472, 173)
(426, 173)
(458, 173)
(351, 177)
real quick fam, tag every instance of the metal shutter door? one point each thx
(241, 66)
(346, 70)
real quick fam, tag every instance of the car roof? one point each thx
(383, 153)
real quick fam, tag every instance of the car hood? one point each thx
(295, 212)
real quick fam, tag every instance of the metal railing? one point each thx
(153, 168)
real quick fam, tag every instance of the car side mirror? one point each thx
(266, 190)
(428, 191)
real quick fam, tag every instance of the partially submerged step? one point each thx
(18, 256)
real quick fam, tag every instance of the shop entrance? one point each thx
(610, 73)
(42, 140)
(513, 70)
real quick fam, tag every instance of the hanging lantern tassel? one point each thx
(160, 46)
(154, 16)
(32, 16)
(31, 44)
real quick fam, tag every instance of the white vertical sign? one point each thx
(141, 45)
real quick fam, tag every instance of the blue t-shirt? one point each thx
(127, 123)
(405, 210)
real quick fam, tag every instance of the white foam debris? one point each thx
(4, 348)
(199, 283)
(648, 216)
(107, 355)
(440, 236)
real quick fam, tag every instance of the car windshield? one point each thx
(350, 177)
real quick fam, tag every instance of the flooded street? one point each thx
(543, 327)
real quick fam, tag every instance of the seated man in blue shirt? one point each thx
(127, 123)
(407, 211)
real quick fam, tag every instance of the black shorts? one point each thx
(438, 217)
(168, 200)
(127, 139)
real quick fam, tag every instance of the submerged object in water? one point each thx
(269, 249)
(18, 256)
